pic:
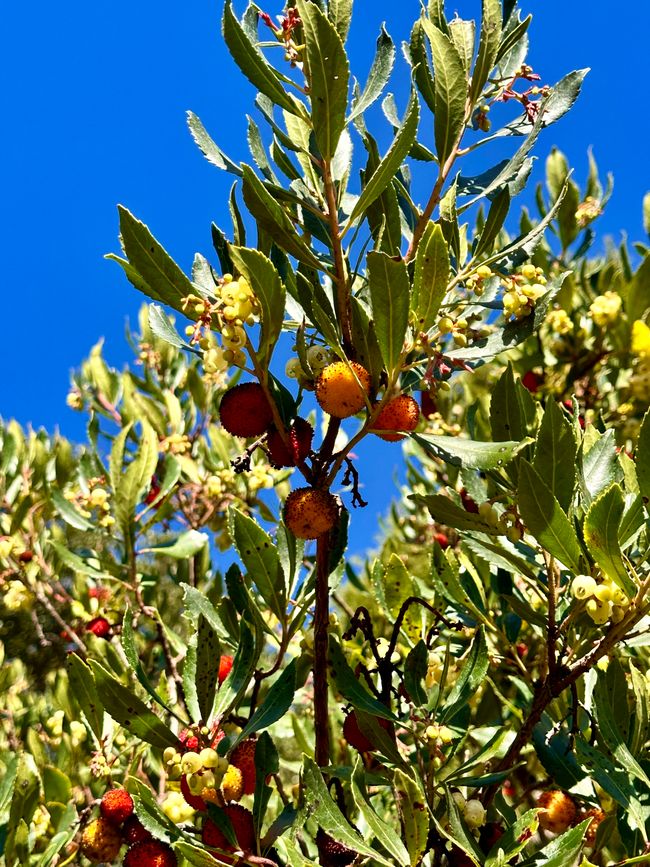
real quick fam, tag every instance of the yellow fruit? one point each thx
(401, 413)
(101, 841)
(309, 512)
(557, 811)
(232, 785)
(341, 389)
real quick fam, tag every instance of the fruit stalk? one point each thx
(321, 624)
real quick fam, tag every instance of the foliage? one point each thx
(163, 628)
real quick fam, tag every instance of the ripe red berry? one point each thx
(468, 503)
(100, 841)
(26, 556)
(399, 414)
(225, 666)
(151, 853)
(531, 381)
(442, 539)
(99, 626)
(189, 741)
(116, 806)
(428, 404)
(153, 492)
(243, 757)
(133, 831)
(331, 853)
(290, 454)
(245, 410)
(195, 801)
(355, 737)
(241, 820)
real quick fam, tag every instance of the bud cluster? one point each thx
(94, 499)
(603, 602)
(605, 309)
(522, 291)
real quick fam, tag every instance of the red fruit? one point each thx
(154, 491)
(468, 503)
(151, 853)
(490, 834)
(225, 666)
(310, 512)
(189, 741)
(290, 454)
(457, 858)
(116, 806)
(557, 811)
(531, 381)
(243, 757)
(355, 737)
(133, 831)
(195, 801)
(26, 556)
(99, 626)
(428, 404)
(399, 414)
(245, 410)
(331, 853)
(442, 539)
(241, 820)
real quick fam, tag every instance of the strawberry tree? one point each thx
(210, 679)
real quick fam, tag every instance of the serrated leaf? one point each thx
(430, 277)
(267, 763)
(243, 666)
(130, 711)
(85, 692)
(210, 150)
(469, 453)
(390, 295)
(162, 327)
(564, 849)
(451, 91)
(412, 807)
(545, 519)
(339, 13)
(201, 670)
(380, 71)
(389, 165)
(463, 35)
(445, 511)
(269, 290)
(642, 459)
(601, 526)
(563, 95)
(76, 563)
(260, 558)
(251, 62)
(472, 673)
(555, 453)
(494, 223)
(386, 836)
(276, 703)
(398, 587)
(135, 480)
(610, 734)
(553, 749)
(512, 409)
(488, 48)
(514, 840)
(133, 658)
(350, 688)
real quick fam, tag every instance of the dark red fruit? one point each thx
(116, 806)
(99, 626)
(442, 539)
(195, 801)
(355, 737)
(189, 741)
(428, 404)
(225, 666)
(468, 503)
(490, 834)
(457, 858)
(245, 410)
(290, 454)
(26, 556)
(151, 853)
(241, 820)
(134, 831)
(243, 757)
(331, 853)
(153, 492)
(531, 381)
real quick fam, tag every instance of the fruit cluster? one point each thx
(522, 291)
(603, 602)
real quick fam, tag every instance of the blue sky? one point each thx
(95, 115)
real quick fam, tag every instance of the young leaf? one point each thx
(563, 95)
(390, 294)
(380, 71)
(136, 478)
(430, 277)
(328, 77)
(265, 282)
(451, 89)
(463, 35)
(339, 13)
(601, 526)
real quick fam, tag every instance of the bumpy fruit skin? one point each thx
(151, 853)
(300, 436)
(133, 831)
(116, 806)
(401, 413)
(232, 785)
(332, 853)
(225, 666)
(597, 816)
(339, 391)
(355, 737)
(245, 411)
(309, 512)
(99, 626)
(196, 802)
(241, 820)
(558, 811)
(101, 841)
(243, 757)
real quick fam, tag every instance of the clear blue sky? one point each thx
(95, 101)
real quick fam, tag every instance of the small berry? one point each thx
(341, 389)
(133, 831)
(531, 381)
(557, 811)
(294, 452)
(243, 757)
(26, 556)
(151, 853)
(245, 410)
(428, 404)
(232, 785)
(400, 414)
(310, 512)
(331, 853)
(225, 666)
(241, 820)
(355, 737)
(99, 626)
(442, 539)
(101, 841)
(116, 806)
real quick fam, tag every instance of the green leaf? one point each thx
(494, 223)
(564, 849)
(23, 805)
(68, 512)
(158, 272)
(601, 526)
(456, 829)
(131, 653)
(267, 762)
(445, 578)
(380, 71)
(131, 483)
(267, 287)
(350, 688)
(599, 467)
(211, 151)
(473, 672)
(512, 409)
(469, 453)
(563, 96)
(514, 840)
(412, 807)
(390, 295)
(451, 89)
(129, 711)
(555, 453)
(201, 670)
(76, 563)
(329, 74)
(243, 666)
(430, 277)
(276, 703)
(488, 48)
(419, 60)
(398, 587)
(553, 749)
(544, 518)
(610, 735)
(271, 216)
(445, 511)
(260, 558)
(187, 545)
(322, 807)
(162, 327)
(194, 855)
(385, 835)
(251, 62)
(339, 13)
(415, 670)
(642, 459)
(389, 165)
(463, 35)
(82, 684)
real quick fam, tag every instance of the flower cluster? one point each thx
(603, 602)
(522, 291)
(605, 309)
